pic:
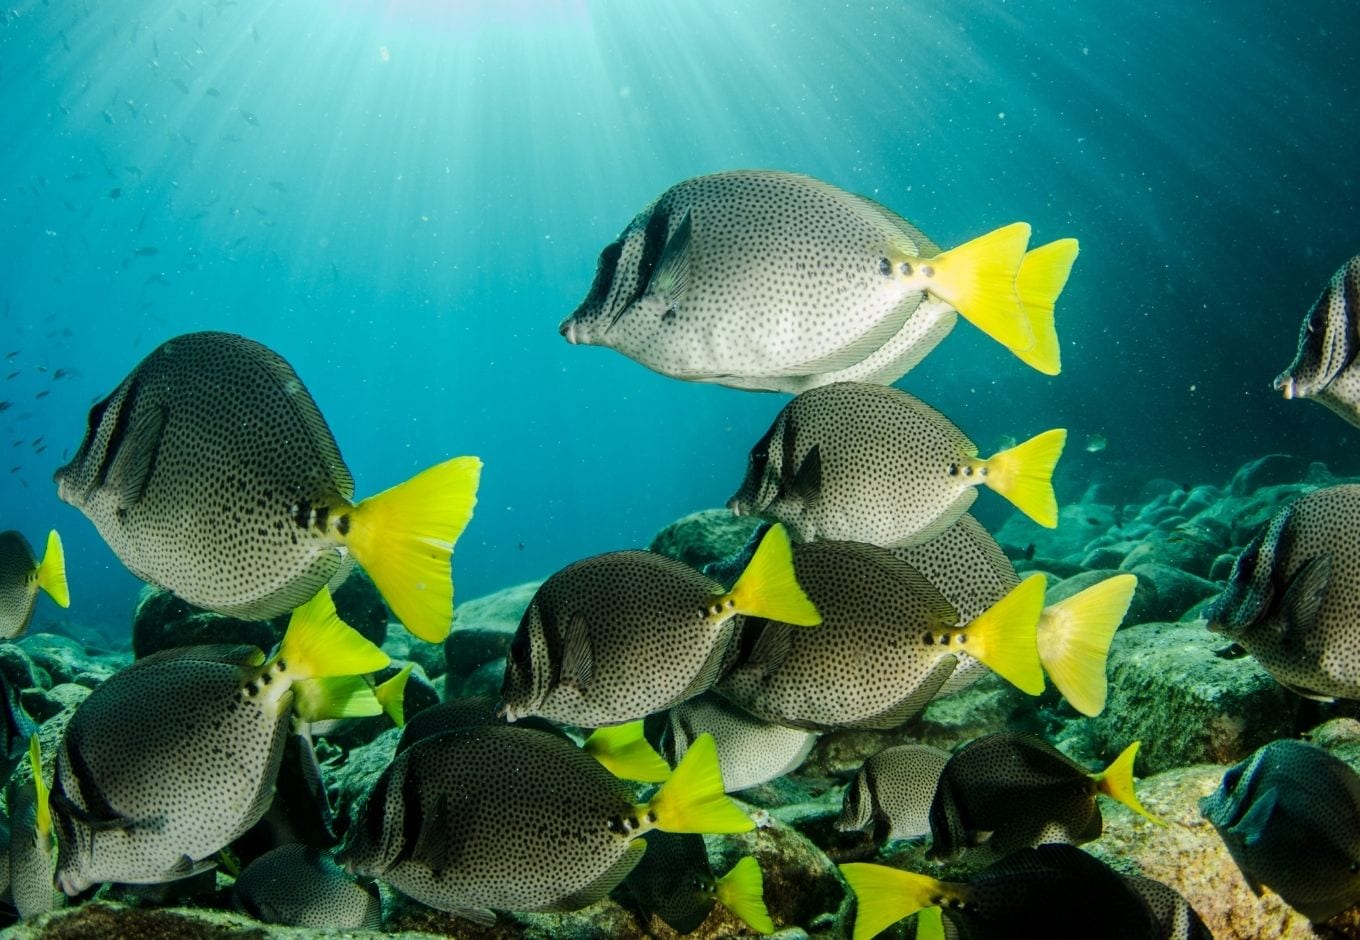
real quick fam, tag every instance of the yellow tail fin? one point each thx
(391, 695)
(884, 895)
(319, 644)
(930, 924)
(693, 799)
(52, 571)
(1043, 275)
(1024, 475)
(404, 539)
(40, 796)
(1004, 637)
(1074, 640)
(742, 891)
(768, 587)
(334, 697)
(1116, 782)
(978, 280)
(625, 753)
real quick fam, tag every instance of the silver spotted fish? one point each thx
(301, 886)
(750, 751)
(1324, 368)
(891, 794)
(21, 576)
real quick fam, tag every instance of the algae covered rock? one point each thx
(706, 536)
(66, 660)
(163, 621)
(482, 631)
(1170, 689)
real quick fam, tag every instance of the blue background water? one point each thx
(405, 198)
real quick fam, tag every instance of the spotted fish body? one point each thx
(674, 881)
(1293, 597)
(503, 818)
(1175, 917)
(302, 886)
(750, 751)
(1324, 369)
(210, 472)
(891, 794)
(1290, 817)
(872, 464)
(886, 644)
(21, 575)
(175, 756)
(616, 637)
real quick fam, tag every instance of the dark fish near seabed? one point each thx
(1290, 817)
(1007, 791)
(493, 818)
(301, 886)
(139, 797)
(619, 636)
(210, 472)
(770, 280)
(675, 882)
(750, 751)
(1291, 598)
(21, 575)
(867, 463)
(891, 794)
(1324, 368)
(1058, 889)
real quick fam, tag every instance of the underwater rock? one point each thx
(1176, 591)
(482, 631)
(62, 696)
(66, 660)
(1141, 609)
(1270, 470)
(1188, 547)
(1078, 525)
(1200, 498)
(1188, 705)
(359, 604)
(706, 536)
(19, 670)
(349, 780)
(163, 621)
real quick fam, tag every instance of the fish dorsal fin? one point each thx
(940, 612)
(282, 375)
(709, 671)
(135, 460)
(894, 227)
(914, 703)
(1303, 597)
(670, 280)
(578, 660)
(605, 882)
(959, 444)
(984, 542)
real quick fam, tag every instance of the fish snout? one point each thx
(568, 329)
(1284, 382)
(734, 504)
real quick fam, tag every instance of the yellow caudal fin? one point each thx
(52, 571)
(693, 799)
(768, 587)
(742, 891)
(625, 753)
(1116, 782)
(930, 924)
(404, 539)
(1043, 275)
(884, 895)
(391, 695)
(1024, 475)
(334, 697)
(1074, 640)
(319, 644)
(978, 280)
(1004, 637)
(43, 821)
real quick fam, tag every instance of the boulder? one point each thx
(1270, 470)
(1176, 591)
(705, 537)
(483, 628)
(163, 621)
(66, 660)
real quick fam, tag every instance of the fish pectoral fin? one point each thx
(578, 660)
(771, 648)
(135, 461)
(670, 280)
(1252, 826)
(807, 482)
(186, 867)
(1304, 595)
(432, 847)
(606, 881)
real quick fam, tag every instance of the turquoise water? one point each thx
(405, 198)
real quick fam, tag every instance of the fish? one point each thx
(32, 849)
(750, 751)
(1095, 443)
(1059, 886)
(868, 463)
(211, 473)
(891, 793)
(16, 728)
(618, 636)
(1291, 595)
(6, 405)
(1175, 917)
(768, 280)
(22, 576)
(1290, 817)
(301, 886)
(116, 192)
(886, 644)
(1324, 367)
(146, 251)
(1006, 791)
(972, 572)
(14, 375)
(534, 823)
(142, 797)
(675, 882)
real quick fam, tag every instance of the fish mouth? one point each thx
(70, 884)
(568, 329)
(1284, 382)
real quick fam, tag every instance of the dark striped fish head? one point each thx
(1290, 817)
(782, 479)
(1324, 366)
(891, 795)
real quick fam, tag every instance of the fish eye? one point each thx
(885, 267)
(519, 647)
